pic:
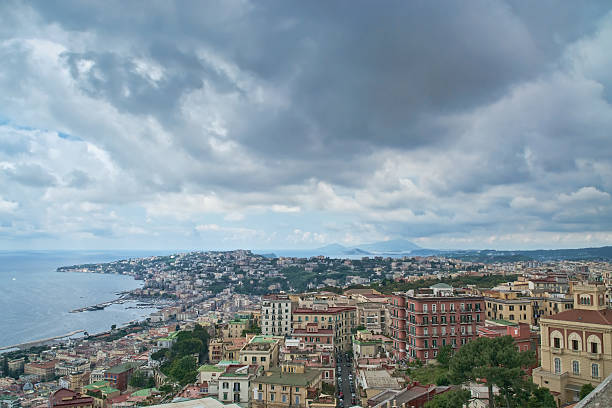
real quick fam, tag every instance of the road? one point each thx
(345, 384)
(41, 341)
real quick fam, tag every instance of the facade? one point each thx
(373, 316)
(341, 320)
(261, 350)
(276, 315)
(236, 327)
(509, 306)
(576, 344)
(291, 385)
(118, 376)
(313, 337)
(368, 345)
(44, 370)
(426, 321)
(64, 398)
(234, 383)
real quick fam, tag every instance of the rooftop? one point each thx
(603, 317)
(275, 376)
(210, 368)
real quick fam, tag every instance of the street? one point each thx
(346, 380)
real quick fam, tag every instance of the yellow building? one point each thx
(341, 320)
(291, 385)
(508, 306)
(576, 344)
(235, 328)
(261, 350)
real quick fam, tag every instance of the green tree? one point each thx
(188, 346)
(184, 370)
(450, 399)
(160, 354)
(586, 390)
(138, 380)
(444, 355)
(150, 382)
(495, 360)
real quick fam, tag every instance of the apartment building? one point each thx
(341, 320)
(261, 350)
(425, 321)
(289, 386)
(507, 305)
(276, 315)
(576, 345)
(373, 316)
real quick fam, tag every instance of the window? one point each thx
(511, 317)
(225, 395)
(237, 387)
(425, 308)
(557, 342)
(594, 347)
(272, 397)
(225, 385)
(443, 307)
(424, 319)
(297, 389)
(557, 365)
(511, 308)
(575, 345)
(575, 367)
(297, 400)
(284, 398)
(260, 396)
(595, 371)
(425, 331)
(426, 354)
(425, 343)
(434, 343)
(263, 359)
(433, 308)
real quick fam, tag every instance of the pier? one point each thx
(100, 306)
(41, 341)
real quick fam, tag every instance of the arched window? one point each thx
(574, 342)
(557, 365)
(556, 339)
(594, 344)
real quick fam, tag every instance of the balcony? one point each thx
(594, 356)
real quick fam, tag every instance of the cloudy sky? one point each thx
(282, 124)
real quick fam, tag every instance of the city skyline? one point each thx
(238, 124)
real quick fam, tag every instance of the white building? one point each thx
(276, 315)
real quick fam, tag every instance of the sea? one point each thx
(36, 300)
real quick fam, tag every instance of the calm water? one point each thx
(35, 300)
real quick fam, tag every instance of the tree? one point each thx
(586, 390)
(450, 399)
(493, 360)
(188, 346)
(138, 380)
(183, 370)
(444, 355)
(113, 327)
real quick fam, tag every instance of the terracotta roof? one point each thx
(584, 316)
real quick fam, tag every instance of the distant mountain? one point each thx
(400, 247)
(391, 246)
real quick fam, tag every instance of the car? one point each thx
(341, 394)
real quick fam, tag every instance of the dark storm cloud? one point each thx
(413, 118)
(357, 76)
